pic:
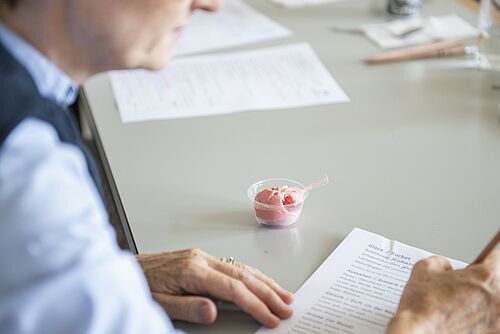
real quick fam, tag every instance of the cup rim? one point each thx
(255, 185)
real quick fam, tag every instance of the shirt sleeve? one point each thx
(61, 269)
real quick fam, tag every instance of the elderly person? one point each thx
(62, 271)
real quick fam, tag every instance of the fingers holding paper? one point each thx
(438, 299)
(181, 281)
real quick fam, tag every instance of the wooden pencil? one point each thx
(488, 249)
(438, 49)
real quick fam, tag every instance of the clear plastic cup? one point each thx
(276, 215)
(489, 25)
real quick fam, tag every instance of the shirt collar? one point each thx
(50, 80)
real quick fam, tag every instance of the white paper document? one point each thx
(271, 78)
(356, 289)
(395, 34)
(235, 24)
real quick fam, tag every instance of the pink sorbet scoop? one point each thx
(281, 205)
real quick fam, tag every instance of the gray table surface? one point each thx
(415, 156)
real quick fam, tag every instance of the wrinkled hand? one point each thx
(438, 299)
(179, 282)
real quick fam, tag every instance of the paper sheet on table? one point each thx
(431, 29)
(235, 24)
(356, 290)
(271, 78)
(302, 3)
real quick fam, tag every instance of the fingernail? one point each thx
(204, 312)
(288, 313)
(274, 322)
(289, 298)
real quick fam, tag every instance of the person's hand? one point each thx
(438, 299)
(181, 280)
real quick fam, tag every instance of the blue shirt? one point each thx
(61, 270)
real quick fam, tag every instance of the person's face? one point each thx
(114, 34)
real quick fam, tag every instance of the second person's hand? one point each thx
(438, 299)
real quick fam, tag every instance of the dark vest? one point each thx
(20, 99)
